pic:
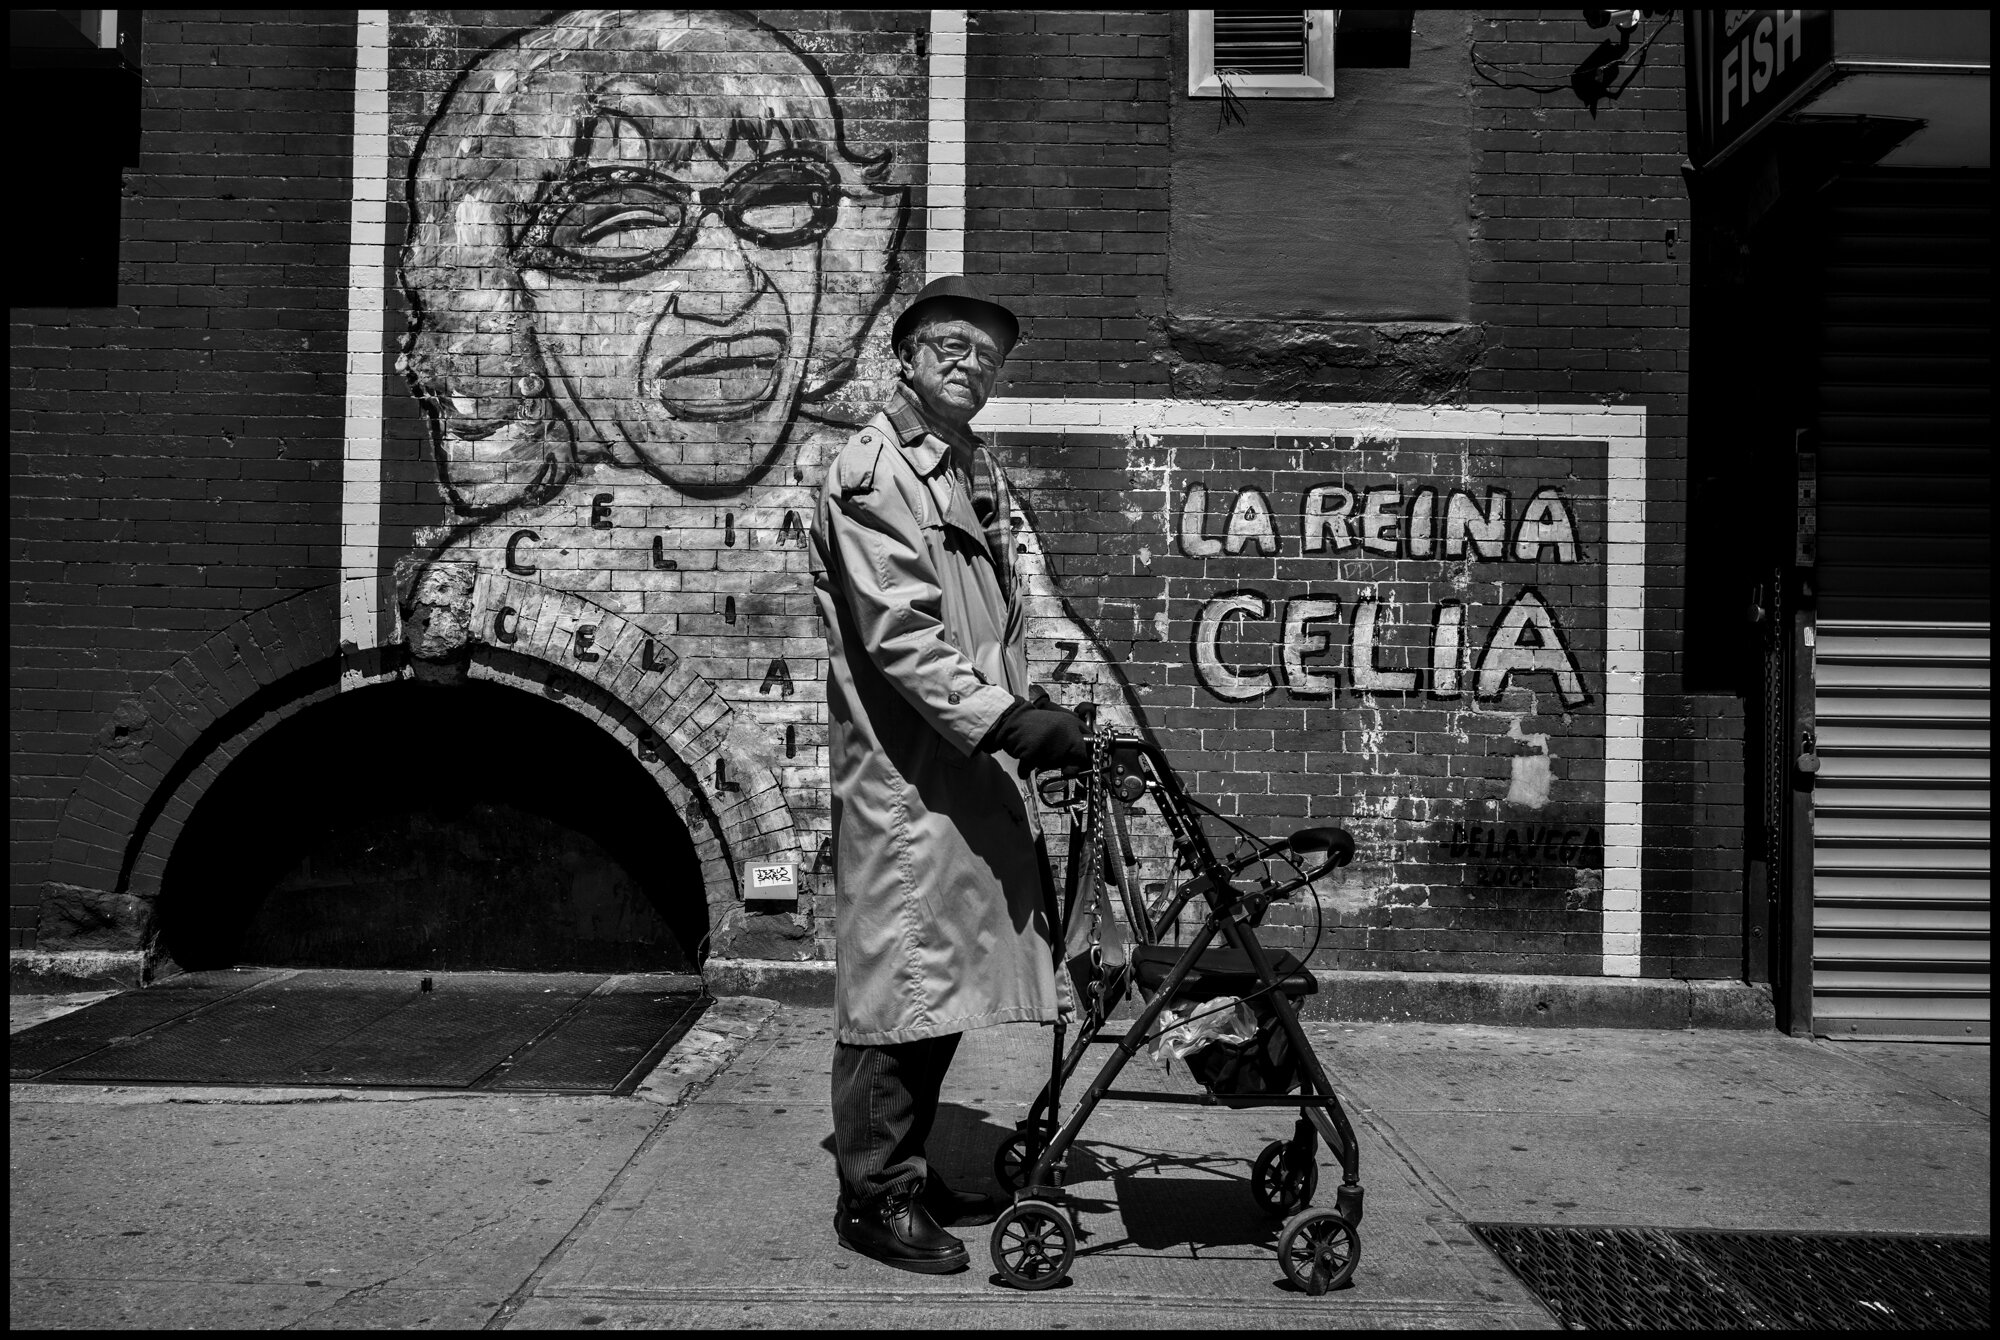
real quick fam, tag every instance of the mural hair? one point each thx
(528, 115)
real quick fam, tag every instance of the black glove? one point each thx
(1041, 737)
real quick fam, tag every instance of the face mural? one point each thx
(639, 239)
(648, 275)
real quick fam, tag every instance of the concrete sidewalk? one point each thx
(708, 1201)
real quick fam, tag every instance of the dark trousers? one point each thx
(884, 1101)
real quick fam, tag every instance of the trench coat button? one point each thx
(952, 698)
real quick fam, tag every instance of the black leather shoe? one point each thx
(958, 1209)
(899, 1232)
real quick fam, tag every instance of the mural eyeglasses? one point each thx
(620, 222)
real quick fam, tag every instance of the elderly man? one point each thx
(941, 890)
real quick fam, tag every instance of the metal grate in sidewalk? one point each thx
(469, 1031)
(1622, 1279)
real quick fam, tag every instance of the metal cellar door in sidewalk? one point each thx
(1902, 824)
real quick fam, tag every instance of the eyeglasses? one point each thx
(957, 349)
(619, 222)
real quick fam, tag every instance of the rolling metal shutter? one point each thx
(1902, 892)
(1903, 415)
(1902, 816)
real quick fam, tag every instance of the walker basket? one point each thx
(1265, 1064)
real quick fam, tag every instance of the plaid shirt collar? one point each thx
(923, 440)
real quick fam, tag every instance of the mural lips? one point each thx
(723, 377)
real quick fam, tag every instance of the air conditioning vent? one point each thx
(1261, 53)
(1260, 41)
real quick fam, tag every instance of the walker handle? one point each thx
(1337, 843)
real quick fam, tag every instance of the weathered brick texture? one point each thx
(1581, 274)
(1067, 138)
(176, 461)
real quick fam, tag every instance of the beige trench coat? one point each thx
(938, 883)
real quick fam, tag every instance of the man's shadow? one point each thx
(1162, 1201)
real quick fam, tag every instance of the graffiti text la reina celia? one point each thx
(1334, 518)
(1526, 639)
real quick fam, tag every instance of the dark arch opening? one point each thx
(414, 826)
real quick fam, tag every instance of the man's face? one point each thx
(952, 363)
(687, 362)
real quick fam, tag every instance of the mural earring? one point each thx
(535, 402)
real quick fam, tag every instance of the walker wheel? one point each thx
(1033, 1245)
(1015, 1158)
(1319, 1250)
(1280, 1187)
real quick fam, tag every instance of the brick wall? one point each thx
(1067, 208)
(1575, 297)
(174, 462)
(1581, 281)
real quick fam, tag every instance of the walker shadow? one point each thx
(1161, 1206)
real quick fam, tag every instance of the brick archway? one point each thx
(197, 717)
(167, 747)
(704, 755)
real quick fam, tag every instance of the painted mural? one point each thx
(1402, 634)
(648, 260)
(649, 263)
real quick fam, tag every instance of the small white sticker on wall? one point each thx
(774, 879)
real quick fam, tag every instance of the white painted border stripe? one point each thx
(1623, 427)
(944, 192)
(1624, 696)
(361, 456)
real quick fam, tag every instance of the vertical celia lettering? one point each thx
(514, 564)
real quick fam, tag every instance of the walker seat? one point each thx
(1218, 972)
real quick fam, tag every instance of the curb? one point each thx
(808, 983)
(60, 972)
(1416, 997)
(1541, 1001)
(706, 1049)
